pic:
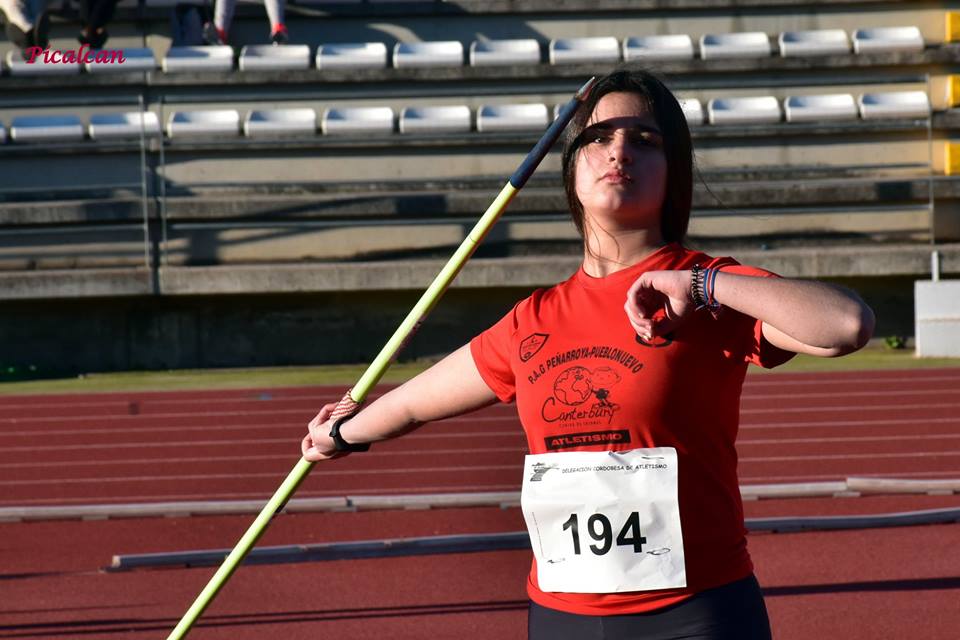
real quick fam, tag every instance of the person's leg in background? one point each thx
(94, 16)
(278, 28)
(26, 23)
(218, 31)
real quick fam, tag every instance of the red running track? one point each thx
(858, 585)
(223, 445)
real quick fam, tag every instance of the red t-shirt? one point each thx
(584, 381)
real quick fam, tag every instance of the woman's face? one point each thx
(621, 170)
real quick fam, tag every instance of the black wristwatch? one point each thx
(339, 443)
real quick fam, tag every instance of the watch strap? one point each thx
(339, 443)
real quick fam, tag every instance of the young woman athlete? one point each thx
(627, 380)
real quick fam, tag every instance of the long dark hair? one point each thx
(675, 214)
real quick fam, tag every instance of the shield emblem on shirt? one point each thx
(531, 345)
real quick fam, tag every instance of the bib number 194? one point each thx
(601, 531)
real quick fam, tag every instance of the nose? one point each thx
(618, 151)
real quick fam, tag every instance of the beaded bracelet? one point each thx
(696, 287)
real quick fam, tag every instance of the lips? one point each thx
(616, 177)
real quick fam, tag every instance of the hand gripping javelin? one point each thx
(355, 397)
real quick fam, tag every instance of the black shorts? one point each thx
(732, 612)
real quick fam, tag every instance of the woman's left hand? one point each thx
(658, 302)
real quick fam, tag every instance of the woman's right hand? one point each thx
(317, 445)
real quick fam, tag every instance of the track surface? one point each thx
(225, 445)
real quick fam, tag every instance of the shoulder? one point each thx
(545, 299)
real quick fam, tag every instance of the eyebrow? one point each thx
(608, 125)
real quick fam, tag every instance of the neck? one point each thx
(606, 252)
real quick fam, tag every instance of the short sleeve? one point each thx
(755, 348)
(491, 353)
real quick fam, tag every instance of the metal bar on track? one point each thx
(476, 543)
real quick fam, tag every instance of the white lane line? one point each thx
(514, 420)
(241, 458)
(323, 473)
(155, 416)
(892, 377)
(83, 431)
(849, 423)
(327, 472)
(852, 394)
(232, 442)
(829, 439)
(851, 456)
(432, 452)
(459, 488)
(216, 427)
(835, 476)
(867, 407)
(439, 425)
(302, 493)
(467, 418)
(427, 434)
(898, 377)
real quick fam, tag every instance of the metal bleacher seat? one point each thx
(894, 104)
(206, 58)
(489, 53)
(119, 126)
(215, 122)
(886, 39)
(357, 120)
(280, 122)
(435, 119)
(749, 44)
(584, 50)
(822, 42)
(271, 58)
(750, 110)
(446, 53)
(692, 110)
(817, 108)
(51, 128)
(358, 55)
(134, 59)
(20, 67)
(669, 47)
(512, 117)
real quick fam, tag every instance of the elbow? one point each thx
(865, 324)
(857, 330)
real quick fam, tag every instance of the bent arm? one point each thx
(451, 387)
(799, 315)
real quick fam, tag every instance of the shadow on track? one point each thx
(920, 584)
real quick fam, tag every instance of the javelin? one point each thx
(378, 367)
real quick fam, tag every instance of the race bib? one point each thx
(604, 521)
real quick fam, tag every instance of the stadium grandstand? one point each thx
(224, 205)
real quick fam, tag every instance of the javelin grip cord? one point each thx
(389, 351)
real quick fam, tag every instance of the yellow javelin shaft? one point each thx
(382, 362)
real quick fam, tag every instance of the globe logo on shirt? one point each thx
(573, 386)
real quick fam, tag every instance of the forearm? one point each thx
(451, 387)
(816, 314)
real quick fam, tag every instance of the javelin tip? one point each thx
(585, 89)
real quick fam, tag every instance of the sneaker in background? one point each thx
(213, 35)
(279, 35)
